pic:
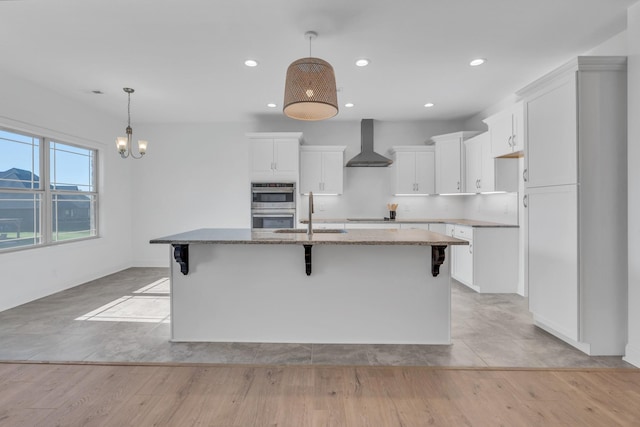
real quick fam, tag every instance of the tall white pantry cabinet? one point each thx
(576, 203)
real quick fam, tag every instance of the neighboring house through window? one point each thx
(48, 191)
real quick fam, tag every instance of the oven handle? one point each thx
(272, 190)
(273, 216)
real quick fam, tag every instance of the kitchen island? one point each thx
(360, 286)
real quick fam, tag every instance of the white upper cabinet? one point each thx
(413, 169)
(480, 168)
(506, 131)
(322, 169)
(552, 151)
(274, 156)
(450, 176)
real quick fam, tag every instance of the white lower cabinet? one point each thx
(329, 226)
(436, 227)
(489, 264)
(552, 255)
(359, 225)
(415, 226)
(324, 225)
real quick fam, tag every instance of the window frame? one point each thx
(46, 192)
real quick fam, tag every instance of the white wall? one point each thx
(33, 273)
(633, 147)
(194, 176)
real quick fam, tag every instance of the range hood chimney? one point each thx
(368, 157)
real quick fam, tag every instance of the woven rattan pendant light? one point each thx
(310, 89)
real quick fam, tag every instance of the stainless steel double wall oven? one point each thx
(273, 205)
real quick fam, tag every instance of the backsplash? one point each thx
(368, 190)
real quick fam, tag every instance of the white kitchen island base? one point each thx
(355, 294)
(361, 287)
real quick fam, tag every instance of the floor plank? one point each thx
(261, 395)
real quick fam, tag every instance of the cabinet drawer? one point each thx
(463, 232)
(450, 230)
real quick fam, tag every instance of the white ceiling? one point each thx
(185, 58)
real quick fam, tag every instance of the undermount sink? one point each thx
(303, 230)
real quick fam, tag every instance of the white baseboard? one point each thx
(542, 324)
(632, 355)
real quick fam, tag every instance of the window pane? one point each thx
(19, 160)
(71, 167)
(19, 220)
(73, 216)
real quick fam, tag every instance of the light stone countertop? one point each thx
(456, 221)
(350, 237)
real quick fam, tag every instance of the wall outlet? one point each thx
(320, 207)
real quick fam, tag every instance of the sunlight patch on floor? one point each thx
(137, 308)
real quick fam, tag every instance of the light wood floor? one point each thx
(44, 394)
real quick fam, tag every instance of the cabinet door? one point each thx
(517, 143)
(262, 157)
(501, 133)
(405, 170)
(462, 264)
(285, 156)
(487, 180)
(425, 172)
(552, 137)
(414, 226)
(473, 159)
(332, 172)
(552, 257)
(310, 171)
(438, 228)
(448, 178)
(373, 226)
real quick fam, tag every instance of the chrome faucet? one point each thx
(310, 225)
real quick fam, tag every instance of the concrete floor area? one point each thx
(124, 317)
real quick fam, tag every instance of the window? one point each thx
(48, 191)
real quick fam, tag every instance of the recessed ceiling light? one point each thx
(349, 104)
(251, 63)
(97, 92)
(429, 104)
(362, 62)
(478, 61)
(271, 105)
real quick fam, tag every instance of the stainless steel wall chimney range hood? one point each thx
(368, 157)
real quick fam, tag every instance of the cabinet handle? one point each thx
(479, 184)
(509, 141)
(458, 186)
(470, 247)
(513, 141)
(525, 201)
(525, 175)
(417, 186)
